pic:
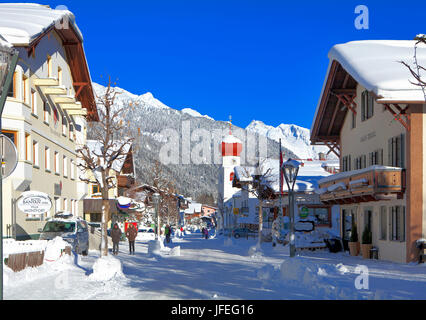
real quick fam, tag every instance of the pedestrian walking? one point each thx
(206, 233)
(131, 235)
(167, 232)
(115, 236)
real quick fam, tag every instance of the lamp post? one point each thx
(156, 198)
(291, 169)
(8, 61)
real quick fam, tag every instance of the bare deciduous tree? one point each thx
(259, 187)
(113, 140)
(416, 69)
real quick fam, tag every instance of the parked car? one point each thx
(96, 225)
(72, 230)
(145, 234)
(243, 232)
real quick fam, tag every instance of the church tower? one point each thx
(231, 148)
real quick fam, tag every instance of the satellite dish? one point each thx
(9, 156)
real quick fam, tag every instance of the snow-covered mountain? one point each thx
(293, 138)
(194, 113)
(151, 116)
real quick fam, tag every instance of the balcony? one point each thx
(375, 183)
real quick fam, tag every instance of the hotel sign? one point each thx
(34, 202)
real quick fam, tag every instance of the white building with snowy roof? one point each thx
(371, 113)
(308, 208)
(46, 112)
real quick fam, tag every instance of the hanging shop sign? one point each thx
(34, 202)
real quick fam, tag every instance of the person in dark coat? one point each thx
(115, 236)
(131, 235)
(168, 232)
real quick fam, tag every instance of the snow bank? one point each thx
(10, 246)
(154, 247)
(228, 242)
(175, 251)
(54, 249)
(266, 273)
(255, 252)
(106, 268)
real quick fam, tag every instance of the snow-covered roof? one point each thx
(193, 207)
(21, 23)
(231, 139)
(307, 178)
(376, 65)
(244, 174)
(95, 148)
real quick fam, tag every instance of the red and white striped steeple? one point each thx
(231, 146)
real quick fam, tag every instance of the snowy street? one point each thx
(219, 268)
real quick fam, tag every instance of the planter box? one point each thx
(354, 248)
(365, 248)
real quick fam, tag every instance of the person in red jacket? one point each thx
(131, 235)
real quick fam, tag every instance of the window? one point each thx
(367, 105)
(397, 223)
(64, 126)
(57, 204)
(346, 163)
(33, 101)
(65, 206)
(60, 76)
(12, 90)
(383, 223)
(360, 162)
(376, 157)
(322, 215)
(49, 66)
(27, 147)
(65, 166)
(46, 112)
(12, 135)
(56, 164)
(95, 189)
(396, 151)
(35, 154)
(72, 169)
(25, 87)
(47, 158)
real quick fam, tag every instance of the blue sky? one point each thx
(263, 60)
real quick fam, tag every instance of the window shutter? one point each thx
(371, 100)
(381, 157)
(402, 150)
(390, 152)
(363, 106)
(371, 158)
(364, 160)
(350, 163)
(390, 223)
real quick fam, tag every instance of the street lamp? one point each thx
(8, 60)
(291, 169)
(156, 198)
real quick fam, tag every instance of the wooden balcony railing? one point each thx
(374, 183)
